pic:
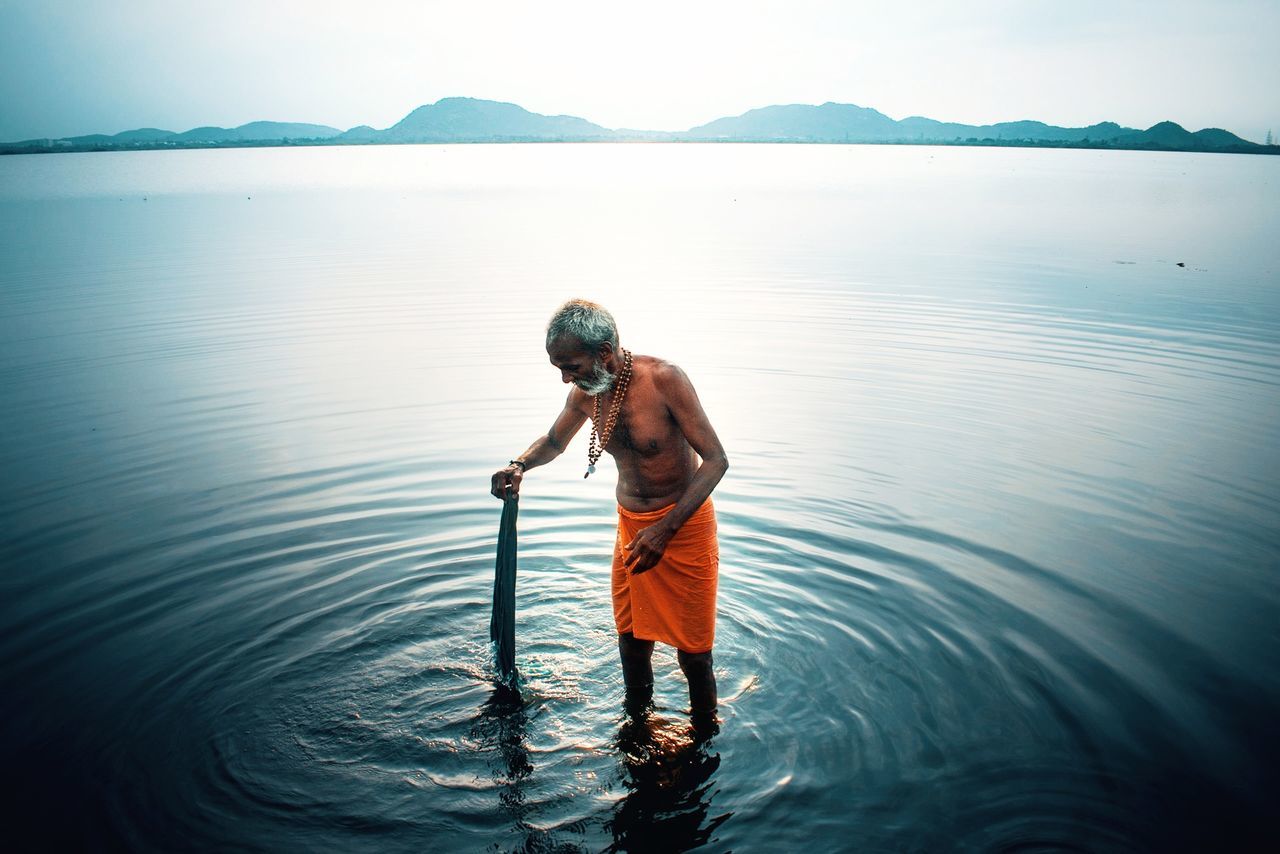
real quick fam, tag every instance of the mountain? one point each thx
(1219, 138)
(125, 137)
(801, 122)
(1170, 135)
(832, 122)
(207, 134)
(360, 133)
(144, 135)
(918, 127)
(90, 139)
(461, 119)
(253, 131)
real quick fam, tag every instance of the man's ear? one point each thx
(606, 351)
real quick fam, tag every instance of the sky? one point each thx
(70, 67)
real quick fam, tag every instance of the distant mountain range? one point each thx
(459, 120)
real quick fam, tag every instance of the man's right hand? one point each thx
(506, 481)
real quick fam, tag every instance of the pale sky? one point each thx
(71, 67)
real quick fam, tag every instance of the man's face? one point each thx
(580, 367)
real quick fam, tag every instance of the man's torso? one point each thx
(655, 462)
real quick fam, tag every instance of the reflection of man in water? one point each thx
(666, 558)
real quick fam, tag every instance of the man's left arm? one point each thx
(682, 402)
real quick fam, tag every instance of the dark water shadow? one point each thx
(501, 727)
(669, 771)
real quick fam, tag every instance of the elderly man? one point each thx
(666, 559)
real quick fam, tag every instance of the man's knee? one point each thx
(632, 647)
(697, 667)
(696, 660)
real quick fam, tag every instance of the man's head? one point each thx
(582, 339)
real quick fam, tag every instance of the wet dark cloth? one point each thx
(502, 625)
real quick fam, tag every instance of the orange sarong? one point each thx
(675, 600)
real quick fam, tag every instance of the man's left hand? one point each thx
(645, 550)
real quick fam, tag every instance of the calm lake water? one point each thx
(1000, 540)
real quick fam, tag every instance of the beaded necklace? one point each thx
(599, 440)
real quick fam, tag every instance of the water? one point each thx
(999, 539)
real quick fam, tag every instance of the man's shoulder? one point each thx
(665, 375)
(660, 370)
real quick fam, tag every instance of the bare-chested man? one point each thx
(669, 459)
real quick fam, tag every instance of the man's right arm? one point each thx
(545, 448)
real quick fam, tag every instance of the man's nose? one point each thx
(566, 377)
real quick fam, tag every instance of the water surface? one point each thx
(999, 539)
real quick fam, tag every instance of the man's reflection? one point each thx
(667, 769)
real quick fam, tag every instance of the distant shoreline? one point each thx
(59, 147)
(464, 121)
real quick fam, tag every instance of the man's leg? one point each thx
(637, 671)
(697, 667)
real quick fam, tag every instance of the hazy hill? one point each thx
(453, 119)
(360, 133)
(1174, 135)
(265, 131)
(829, 122)
(207, 134)
(476, 120)
(91, 139)
(1219, 138)
(917, 127)
(124, 137)
(143, 135)
(832, 122)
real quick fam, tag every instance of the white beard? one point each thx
(599, 381)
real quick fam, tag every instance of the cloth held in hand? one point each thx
(502, 625)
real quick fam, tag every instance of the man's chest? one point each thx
(644, 428)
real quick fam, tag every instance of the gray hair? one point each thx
(586, 321)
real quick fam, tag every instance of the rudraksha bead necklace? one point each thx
(599, 440)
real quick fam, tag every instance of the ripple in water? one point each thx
(998, 543)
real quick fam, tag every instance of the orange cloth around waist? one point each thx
(674, 601)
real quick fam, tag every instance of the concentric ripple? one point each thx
(998, 539)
